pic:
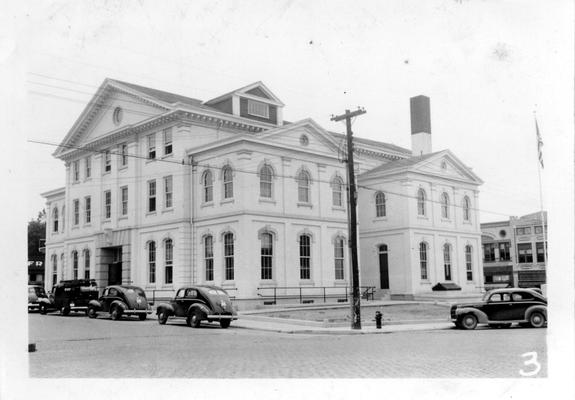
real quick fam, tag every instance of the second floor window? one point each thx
(76, 171)
(228, 182)
(168, 195)
(266, 176)
(152, 196)
(380, 210)
(208, 184)
(489, 252)
(167, 141)
(466, 209)
(540, 249)
(123, 154)
(87, 209)
(444, 205)
(421, 202)
(524, 253)
(107, 204)
(505, 251)
(151, 147)
(55, 220)
(107, 161)
(76, 205)
(304, 257)
(303, 182)
(88, 167)
(337, 192)
(124, 200)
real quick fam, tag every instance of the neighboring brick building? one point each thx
(164, 190)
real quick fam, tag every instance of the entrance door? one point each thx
(383, 267)
(115, 273)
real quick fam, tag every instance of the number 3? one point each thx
(532, 361)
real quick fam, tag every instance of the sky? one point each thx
(488, 66)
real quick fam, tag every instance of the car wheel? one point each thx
(142, 317)
(65, 310)
(43, 309)
(91, 312)
(194, 320)
(225, 323)
(469, 321)
(116, 313)
(537, 319)
(162, 317)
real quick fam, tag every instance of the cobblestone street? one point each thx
(78, 347)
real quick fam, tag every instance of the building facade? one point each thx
(164, 190)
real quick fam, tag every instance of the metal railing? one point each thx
(305, 293)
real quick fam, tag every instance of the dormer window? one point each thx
(258, 109)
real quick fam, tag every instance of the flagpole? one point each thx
(539, 165)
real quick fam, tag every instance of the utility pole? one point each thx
(352, 203)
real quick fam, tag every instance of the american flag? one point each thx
(539, 144)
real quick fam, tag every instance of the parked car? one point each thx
(72, 295)
(500, 308)
(121, 300)
(199, 303)
(38, 300)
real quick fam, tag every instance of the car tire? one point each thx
(142, 317)
(91, 312)
(116, 313)
(225, 323)
(65, 311)
(43, 309)
(469, 321)
(537, 319)
(162, 317)
(195, 318)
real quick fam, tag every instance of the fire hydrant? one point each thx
(378, 318)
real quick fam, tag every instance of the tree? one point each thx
(36, 236)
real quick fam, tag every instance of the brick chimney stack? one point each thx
(420, 125)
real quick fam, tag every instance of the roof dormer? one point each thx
(254, 102)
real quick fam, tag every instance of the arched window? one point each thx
(228, 182)
(444, 205)
(423, 260)
(337, 191)
(303, 187)
(380, 204)
(209, 257)
(468, 263)
(266, 177)
(55, 220)
(229, 256)
(267, 252)
(447, 261)
(54, 269)
(304, 257)
(466, 209)
(338, 248)
(152, 262)
(421, 197)
(74, 264)
(207, 182)
(86, 264)
(168, 261)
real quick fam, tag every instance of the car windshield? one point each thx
(217, 292)
(486, 296)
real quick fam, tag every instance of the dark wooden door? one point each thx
(115, 273)
(383, 267)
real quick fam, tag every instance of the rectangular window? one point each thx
(540, 248)
(123, 155)
(152, 196)
(258, 109)
(468, 263)
(304, 257)
(76, 205)
(209, 257)
(504, 251)
(152, 147)
(167, 141)
(124, 200)
(152, 262)
(524, 253)
(87, 209)
(489, 252)
(107, 204)
(538, 229)
(76, 171)
(169, 261)
(168, 192)
(88, 166)
(447, 261)
(523, 231)
(501, 278)
(266, 256)
(107, 161)
(338, 256)
(86, 264)
(75, 264)
(423, 260)
(229, 256)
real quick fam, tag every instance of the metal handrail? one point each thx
(367, 292)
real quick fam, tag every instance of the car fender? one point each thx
(167, 308)
(202, 307)
(95, 304)
(540, 308)
(120, 304)
(481, 316)
(45, 301)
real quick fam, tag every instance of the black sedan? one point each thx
(121, 300)
(501, 308)
(199, 303)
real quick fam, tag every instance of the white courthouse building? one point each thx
(164, 191)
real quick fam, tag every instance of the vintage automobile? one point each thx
(500, 308)
(72, 295)
(121, 300)
(38, 300)
(199, 303)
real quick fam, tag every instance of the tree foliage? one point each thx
(36, 235)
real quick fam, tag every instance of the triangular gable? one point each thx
(256, 89)
(113, 106)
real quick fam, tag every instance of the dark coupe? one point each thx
(121, 300)
(199, 303)
(502, 307)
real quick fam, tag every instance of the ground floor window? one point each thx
(423, 260)
(447, 261)
(304, 257)
(266, 256)
(86, 264)
(152, 262)
(339, 258)
(468, 264)
(209, 257)
(229, 256)
(169, 261)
